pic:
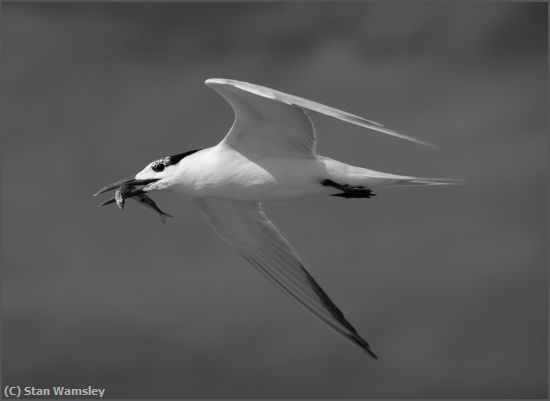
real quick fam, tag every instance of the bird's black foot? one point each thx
(356, 192)
(349, 191)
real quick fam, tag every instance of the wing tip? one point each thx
(407, 137)
(428, 144)
(361, 342)
(219, 81)
(371, 353)
(210, 81)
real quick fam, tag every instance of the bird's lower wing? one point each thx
(245, 227)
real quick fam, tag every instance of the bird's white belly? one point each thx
(230, 175)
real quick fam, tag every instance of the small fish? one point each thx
(149, 203)
(124, 192)
(121, 194)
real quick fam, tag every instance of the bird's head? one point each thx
(157, 175)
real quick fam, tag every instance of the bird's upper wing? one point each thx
(264, 125)
(245, 227)
(266, 118)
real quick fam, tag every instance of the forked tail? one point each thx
(352, 177)
(415, 181)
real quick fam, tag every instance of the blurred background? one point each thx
(448, 284)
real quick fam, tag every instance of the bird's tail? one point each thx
(421, 181)
(373, 179)
(352, 177)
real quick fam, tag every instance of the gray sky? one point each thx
(448, 284)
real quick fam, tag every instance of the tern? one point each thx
(267, 155)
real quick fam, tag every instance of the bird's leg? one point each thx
(349, 191)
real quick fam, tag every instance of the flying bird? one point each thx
(267, 155)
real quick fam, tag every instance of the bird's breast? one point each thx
(227, 174)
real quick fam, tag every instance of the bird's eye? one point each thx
(158, 167)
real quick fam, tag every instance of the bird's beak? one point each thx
(130, 182)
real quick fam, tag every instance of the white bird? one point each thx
(268, 155)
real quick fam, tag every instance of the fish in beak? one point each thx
(129, 182)
(132, 188)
